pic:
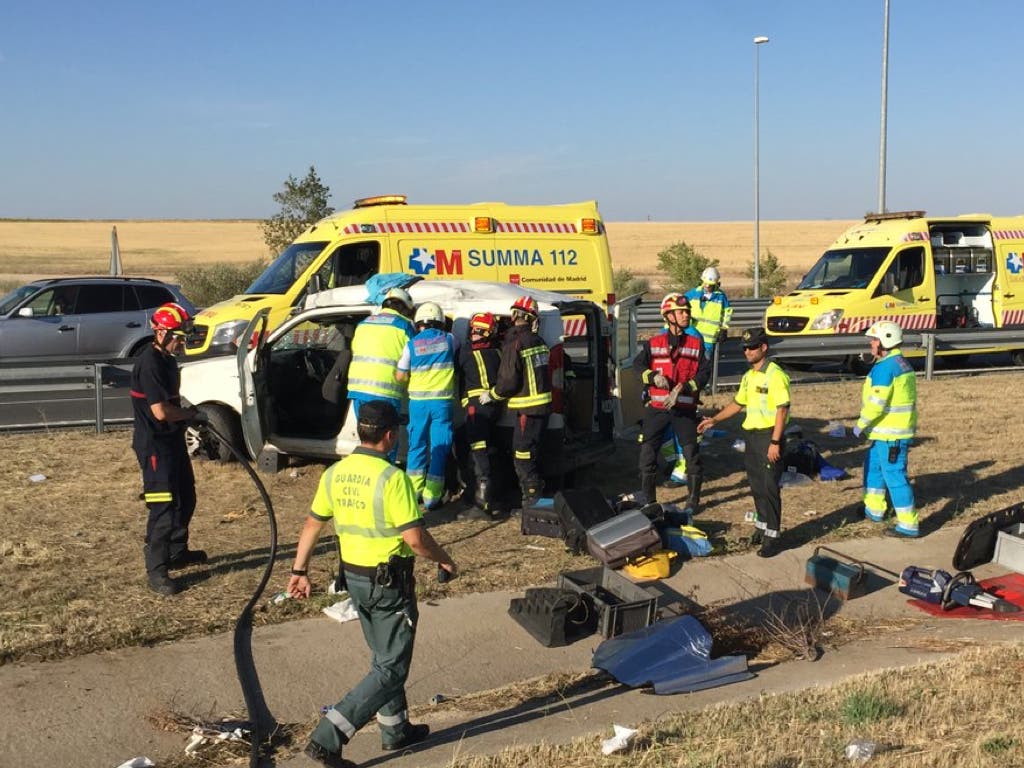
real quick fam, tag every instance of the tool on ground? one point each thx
(842, 575)
(941, 588)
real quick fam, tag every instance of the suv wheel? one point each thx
(202, 441)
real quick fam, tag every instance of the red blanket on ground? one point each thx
(1009, 587)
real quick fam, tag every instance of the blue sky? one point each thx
(202, 109)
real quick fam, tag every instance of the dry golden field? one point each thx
(33, 249)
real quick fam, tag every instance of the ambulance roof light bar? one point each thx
(889, 215)
(367, 202)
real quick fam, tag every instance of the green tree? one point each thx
(628, 284)
(302, 203)
(683, 264)
(773, 276)
(218, 281)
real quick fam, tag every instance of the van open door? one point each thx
(628, 408)
(253, 383)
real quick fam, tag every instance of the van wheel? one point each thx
(201, 441)
(1017, 357)
(859, 365)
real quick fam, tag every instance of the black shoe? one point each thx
(892, 533)
(163, 584)
(670, 483)
(414, 734)
(188, 557)
(321, 755)
(473, 513)
(756, 537)
(769, 548)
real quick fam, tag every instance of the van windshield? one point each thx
(15, 297)
(844, 268)
(286, 268)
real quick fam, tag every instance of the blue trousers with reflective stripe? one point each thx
(880, 475)
(430, 442)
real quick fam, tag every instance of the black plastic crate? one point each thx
(553, 617)
(621, 605)
(541, 521)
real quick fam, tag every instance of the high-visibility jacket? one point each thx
(762, 393)
(889, 399)
(479, 367)
(523, 376)
(371, 502)
(679, 360)
(709, 314)
(376, 347)
(430, 356)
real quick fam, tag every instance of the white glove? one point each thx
(485, 397)
(661, 381)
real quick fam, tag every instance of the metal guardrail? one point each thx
(746, 313)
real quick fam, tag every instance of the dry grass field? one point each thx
(32, 249)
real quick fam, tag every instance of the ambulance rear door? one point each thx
(1008, 288)
(628, 408)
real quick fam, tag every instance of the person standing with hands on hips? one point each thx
(764, 392)
(380, 531)
(888, 418)
(168, 484)
(673, 370)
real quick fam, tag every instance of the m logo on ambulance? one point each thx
(422, 260)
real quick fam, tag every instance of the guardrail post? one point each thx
(714, 370)
(97, 376)
(929, 355)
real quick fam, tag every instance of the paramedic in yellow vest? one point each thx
(888, 419)
(764, 392)
(380, 531)
(524, 382)
(427, 364)
(711, 311)
(376, 346)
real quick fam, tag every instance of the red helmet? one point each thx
(527, 305)
(482, 323)
(674, 301)
(172, 317)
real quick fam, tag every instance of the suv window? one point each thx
(54, 301)
(93, 299)
(152, 296)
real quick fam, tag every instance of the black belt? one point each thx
(370, 571)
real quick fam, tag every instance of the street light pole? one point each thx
(885, 100)
(758, 41)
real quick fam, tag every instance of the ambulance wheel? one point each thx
(859, 365)
(1017, 357)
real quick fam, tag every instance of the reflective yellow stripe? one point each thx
(159, 496)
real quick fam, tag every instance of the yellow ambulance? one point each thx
(557, 248)
(921, 272)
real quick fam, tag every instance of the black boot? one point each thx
(693, 500)
(482, 496)
(649, 487)
(163, 584)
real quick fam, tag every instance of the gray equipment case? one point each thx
(628, 535)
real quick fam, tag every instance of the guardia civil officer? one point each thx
(158, 439)
(380, 531)
(710, 310)
(524, 383)
(673, 370)
(764, 392)
(376, 347)
(427, 365)
(888, 418)
(478, 370)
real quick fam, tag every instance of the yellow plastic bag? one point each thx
(656, 566)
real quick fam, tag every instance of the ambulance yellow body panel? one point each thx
(558, 248)
(922, 273)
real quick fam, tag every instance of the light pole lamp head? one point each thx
(760, 39)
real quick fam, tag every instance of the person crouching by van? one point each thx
(478, 371)
(764, 392)
(427, 364)
(524, 381)
(376, 347)
(673, 370)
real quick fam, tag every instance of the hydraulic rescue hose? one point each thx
(260, 717)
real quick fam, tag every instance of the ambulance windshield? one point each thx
(286, 268)
(844, 268)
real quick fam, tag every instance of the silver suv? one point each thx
(88, 318)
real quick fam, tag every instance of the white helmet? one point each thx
(887, 332)
(401, 296)
(429, 312)
(710, 276)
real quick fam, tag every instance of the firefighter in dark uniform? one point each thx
(478, 371)
(524, 382)
(380, 531)
(159, 442)
(674, 370)
(764, 393)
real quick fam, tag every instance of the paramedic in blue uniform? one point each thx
(673, 370)
(372, 506)
(764, 392)
(169, 487)
(427, 365)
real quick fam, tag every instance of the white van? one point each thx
(287, 395)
